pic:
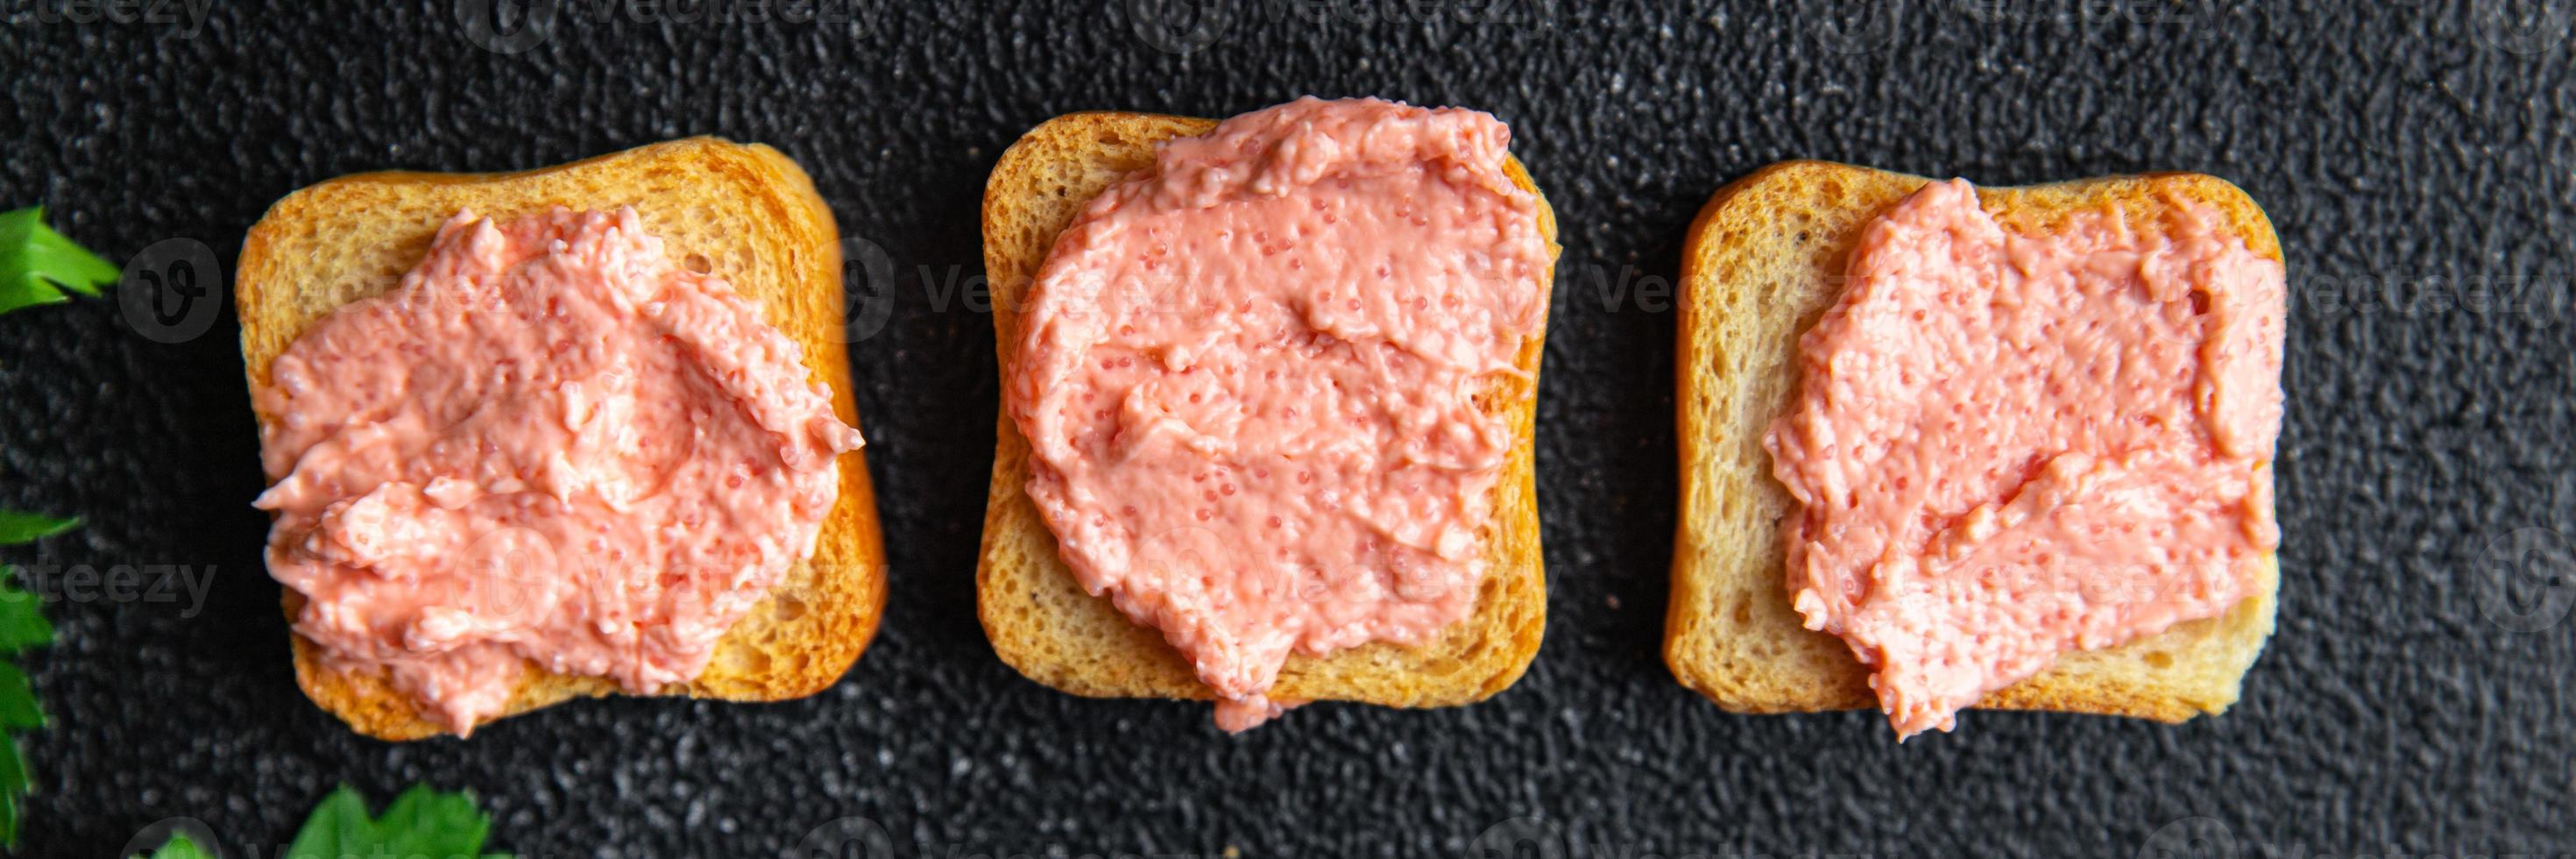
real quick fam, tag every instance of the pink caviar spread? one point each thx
(548, 445)
(1248, 376)
(2009, 446)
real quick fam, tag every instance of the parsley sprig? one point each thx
(420, 824)
(22, 625)
(37, 266)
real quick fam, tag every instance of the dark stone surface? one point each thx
(2414, 149)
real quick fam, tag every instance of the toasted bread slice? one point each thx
(1764, 260)
(743, 213)
(1040, 619)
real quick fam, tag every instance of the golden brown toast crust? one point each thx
(1045, 625)
(1764, 259)
(744, 213)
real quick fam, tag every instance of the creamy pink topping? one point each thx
(548, 445)
(1248, 375)
(2009, 446)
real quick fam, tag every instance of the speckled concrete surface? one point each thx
(2419, 151)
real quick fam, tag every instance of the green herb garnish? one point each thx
(22, 625)
(38, 264)
(16, 528)
(420, 822)
(179, 847)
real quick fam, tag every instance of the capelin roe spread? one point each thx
(2009, 446)
(1248, 374)
(548, 445)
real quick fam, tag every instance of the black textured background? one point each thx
(2416, 157)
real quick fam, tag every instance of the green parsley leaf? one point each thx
(18, 700)
(13, 771)
(38, 264)
(16, 528)
(420, 823)
(179, 847)
(22, 616)
(22, 625)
